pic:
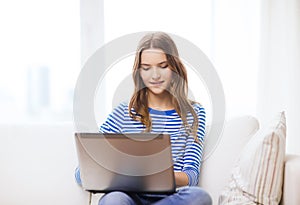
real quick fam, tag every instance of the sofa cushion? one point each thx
(37, 164)
(257, 177)
(220, 157)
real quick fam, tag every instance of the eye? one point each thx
(164, 65)
(145, 68)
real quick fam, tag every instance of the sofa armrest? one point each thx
(291, 184)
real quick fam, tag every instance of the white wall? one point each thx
(279, 74)
(236, 38)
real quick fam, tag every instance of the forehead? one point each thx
(153, 56)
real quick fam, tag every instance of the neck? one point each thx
(160, 102)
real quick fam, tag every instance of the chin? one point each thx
(157, 91)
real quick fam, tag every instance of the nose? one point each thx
(155, 74)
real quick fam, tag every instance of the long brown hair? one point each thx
(178, 88)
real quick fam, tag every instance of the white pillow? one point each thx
(257, 177)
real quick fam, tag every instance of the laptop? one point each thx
(140, 163)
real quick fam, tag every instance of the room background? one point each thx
(253, 45)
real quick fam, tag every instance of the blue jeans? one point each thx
(184, 196)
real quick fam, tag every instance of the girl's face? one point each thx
(155, 71)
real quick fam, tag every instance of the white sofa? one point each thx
(38, 161)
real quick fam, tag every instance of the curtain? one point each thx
(279, 71)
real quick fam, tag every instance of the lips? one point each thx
(156, 83)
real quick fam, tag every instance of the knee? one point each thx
(199, 195)
(202, 195)
(115, 197)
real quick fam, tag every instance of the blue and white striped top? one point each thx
(187, 153)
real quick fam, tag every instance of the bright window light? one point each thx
(40, 59)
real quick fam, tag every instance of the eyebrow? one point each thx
(145, 64)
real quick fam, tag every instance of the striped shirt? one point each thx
(186, 153)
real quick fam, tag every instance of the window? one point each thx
(40, 59)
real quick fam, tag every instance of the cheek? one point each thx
(144, 76)
(168, 75)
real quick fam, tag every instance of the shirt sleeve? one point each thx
(114, 121)
(194, 150)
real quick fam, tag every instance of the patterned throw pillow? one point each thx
(257, 177)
